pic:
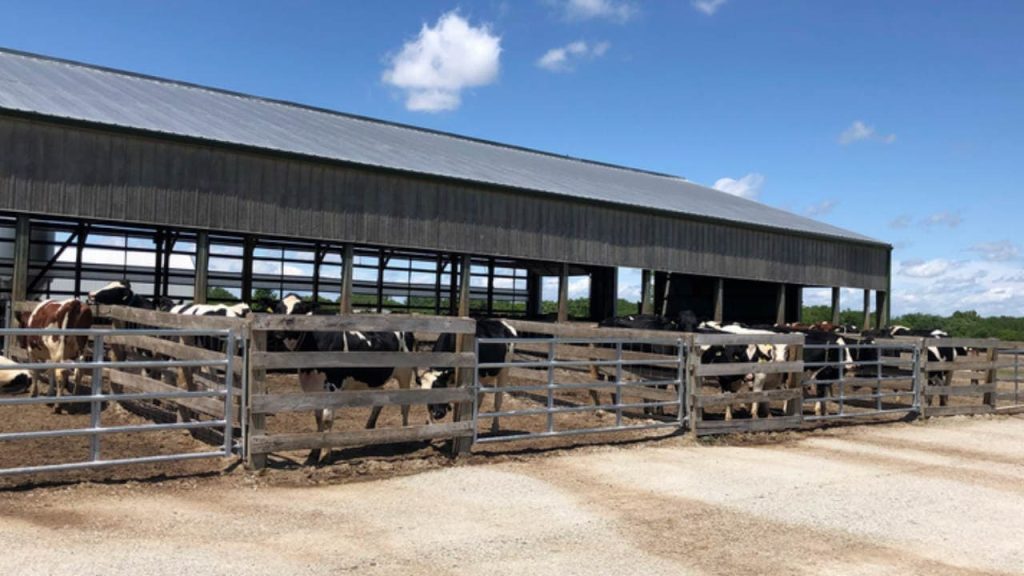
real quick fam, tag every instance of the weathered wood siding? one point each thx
(64, 170)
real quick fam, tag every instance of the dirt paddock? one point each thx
(940, 497)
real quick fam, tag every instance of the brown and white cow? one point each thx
(51, 314)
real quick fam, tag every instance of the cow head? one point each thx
(115, 293)
(436, 378)
(290, 305)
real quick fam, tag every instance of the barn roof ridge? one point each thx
(333, 135)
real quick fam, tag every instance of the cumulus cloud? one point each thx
(435, 67)
(748, 187)
(997, 251)
(708, 7)
(924, 269)
(823, 208)
(562, 59)
(607, 9)
(860, 131)
(944, 218)
(991, 288)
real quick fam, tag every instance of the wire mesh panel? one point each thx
(548, 387)
(855, 380)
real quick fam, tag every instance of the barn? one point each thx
(193, 192)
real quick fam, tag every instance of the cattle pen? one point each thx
(219, 197)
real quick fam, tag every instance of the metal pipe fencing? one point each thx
(97, 396)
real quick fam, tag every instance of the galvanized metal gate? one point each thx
(644, 381)
(861, 380)
(98, 394)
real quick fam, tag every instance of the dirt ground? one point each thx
(939, 497)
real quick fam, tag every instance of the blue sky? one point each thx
(900, 120)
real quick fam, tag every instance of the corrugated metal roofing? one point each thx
(69, 90)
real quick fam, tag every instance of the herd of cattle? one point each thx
(827, 354)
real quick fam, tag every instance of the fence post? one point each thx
(693, 383)
(992, 378)
(795, 353)
(257, 385)
(464, 378)
(921, 377)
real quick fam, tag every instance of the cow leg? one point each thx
(314, 455)
(404, 377)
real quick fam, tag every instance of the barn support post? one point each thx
(464, 278)
(604, 293)
(166, 286)
(22, 243)
(798, 294)
(665, 295)
(438, 273)
(836, 303)
(719, 304)
(534, 294)
(453, 285)
(248, 248)
(780, 304)
(646, 292)
(381, 264)
(347, 255)
(200, 286)
(881, 308)
(490, 286)
(318, 259)
(158, 262)
(79, 249)
(866, 321)
(563, 293)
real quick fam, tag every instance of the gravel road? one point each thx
(943, 497)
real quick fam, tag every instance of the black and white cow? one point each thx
(489, 353)
(351, 378)
(13, 380)
(120, 293)
(758, 382)
(826, 358)
(935, 353)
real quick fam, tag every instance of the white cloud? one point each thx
(926, 269)
(900, 222)
(562, 59)
(748, 187)
(823, 208)
(861, 131)
(991, 288)
(997, 251)
(434, 68)
(609, 9)
(944, 218)
(708, 7)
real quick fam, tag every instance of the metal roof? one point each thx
(62, 89)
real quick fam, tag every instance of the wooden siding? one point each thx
(62, 170)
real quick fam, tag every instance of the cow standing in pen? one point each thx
(343, 379)
(65, 315)
(489, 353)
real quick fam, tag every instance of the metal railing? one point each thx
(892, 381)
(647, 378)
(97, 396)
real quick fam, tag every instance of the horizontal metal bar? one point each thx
(119, 364)
(108, 463)
(844, 399)
(578, 432)
(110, 332)
(574, 409)
(855, 415)
(577, 386)
(582, 341)
(111, 430)
(111, 397)
(669, 361)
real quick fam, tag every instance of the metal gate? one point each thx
(1009, 392)
(554, 376)
(861, 380)
(98, 394)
